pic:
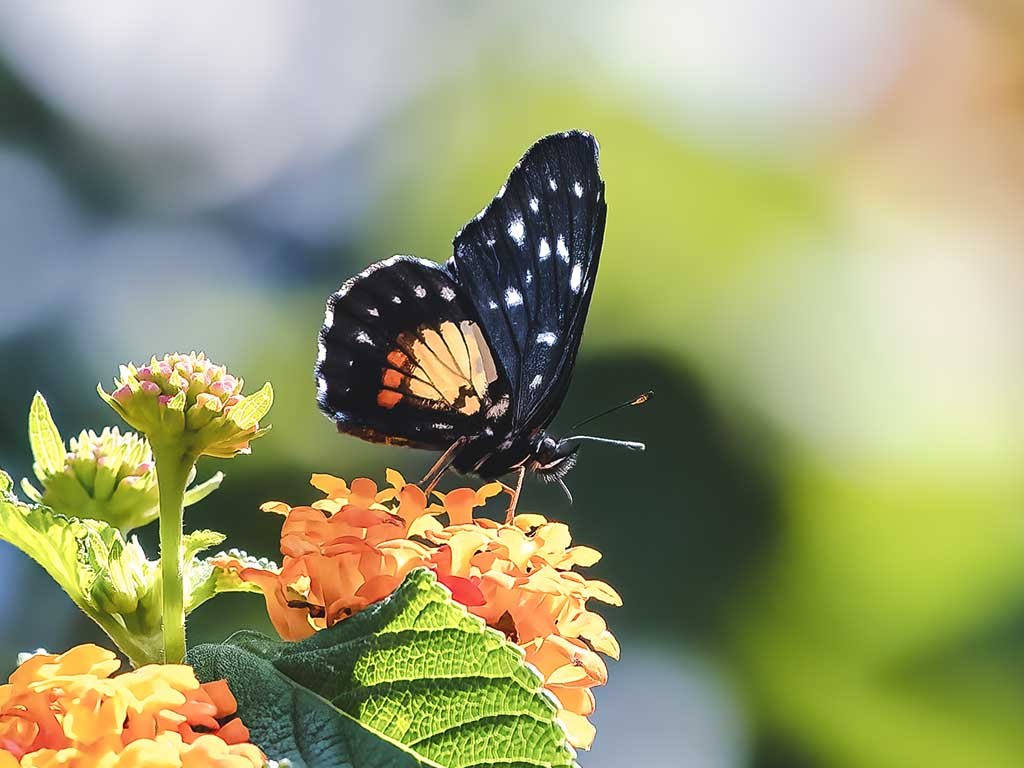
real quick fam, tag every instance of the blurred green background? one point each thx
(813, 255)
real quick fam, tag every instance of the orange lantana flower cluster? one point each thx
(355, 546)
(69, 710)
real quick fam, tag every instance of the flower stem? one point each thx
(172, 471)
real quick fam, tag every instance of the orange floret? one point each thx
(354, 547)
(70, 710)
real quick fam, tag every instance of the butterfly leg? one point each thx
(434, 474)
(514, 493)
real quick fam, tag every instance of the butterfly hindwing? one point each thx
(528, 263)
(402, 358)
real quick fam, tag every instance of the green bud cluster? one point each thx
(128, 586)
(108, 476)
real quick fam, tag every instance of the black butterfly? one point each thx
(473, 357)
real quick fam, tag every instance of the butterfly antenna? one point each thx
(630, 444)
(638, 400)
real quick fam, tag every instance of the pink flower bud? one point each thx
(122, 394)
(164, 399)
(149, 387)
(145, 373)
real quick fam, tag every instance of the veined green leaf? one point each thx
(44, 437)
(51, 540)
(286, 720)
(420, 669)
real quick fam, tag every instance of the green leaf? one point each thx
(420, 669)
(286, 720)
(195, 542)
(49, 539)
(199, 492)
(78, 554)
(203, 579)
(248, 413)
(45, 439)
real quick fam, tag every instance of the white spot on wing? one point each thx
(513, 298)
(321, 385)
(553, 184)
(517, 230)
(562, 250)
(529, 277)
(441, 425)
(492, 304)
(545, 249)
(373, 311)
(420, 291)
(576, 278)
(537, 381)
(364, 338)
(321, 352)
(534, 205)
(447, 293)
(577, 188)
(501, 192)
(396, 299)
(329, 317)
(547, 337)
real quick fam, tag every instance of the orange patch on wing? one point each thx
(392, 378)
(388, 399)
(398, 358)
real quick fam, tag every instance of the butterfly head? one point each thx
(552, 459)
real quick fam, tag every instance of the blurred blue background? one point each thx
(813, 255)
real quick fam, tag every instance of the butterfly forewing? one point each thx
(528, 263)
(403, 360)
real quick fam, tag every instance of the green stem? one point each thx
(172, 470)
